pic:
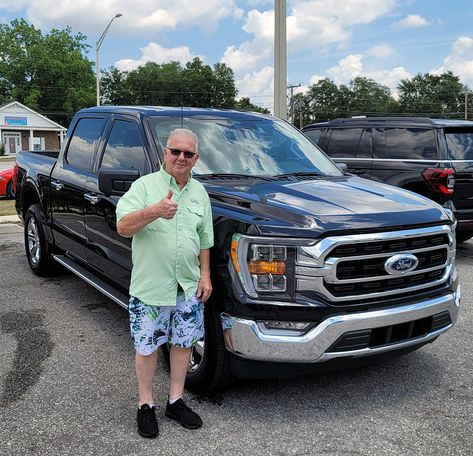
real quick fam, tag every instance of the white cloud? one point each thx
(258, 86)
(347, 69)
(460, 60)
(316, 78)
(412, 21)
(351, 66)
(154, 52)
(381, 50)
(142, 17)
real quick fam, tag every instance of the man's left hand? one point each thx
(204, 289)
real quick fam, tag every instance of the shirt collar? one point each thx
(170, 179)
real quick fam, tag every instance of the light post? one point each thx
(280, 77)
(97, 47)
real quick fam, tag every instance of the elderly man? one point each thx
(169, 216)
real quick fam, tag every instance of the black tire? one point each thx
(463, 236)
(38, 251)
(211, 372)
(10, 193)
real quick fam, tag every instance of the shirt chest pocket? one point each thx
(193, 216)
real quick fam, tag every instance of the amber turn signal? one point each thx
(267, 267)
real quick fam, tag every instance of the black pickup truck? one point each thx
(312, 268)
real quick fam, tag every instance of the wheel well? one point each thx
(29, 198)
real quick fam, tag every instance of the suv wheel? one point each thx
(463, 236)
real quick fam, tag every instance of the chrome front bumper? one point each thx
(246, 339)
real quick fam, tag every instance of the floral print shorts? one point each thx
(181, 325)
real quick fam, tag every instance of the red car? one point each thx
(7, 184)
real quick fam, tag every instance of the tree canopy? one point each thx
(171, 84)
(46, 72)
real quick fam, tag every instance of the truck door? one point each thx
(68, 181)
(109, 253)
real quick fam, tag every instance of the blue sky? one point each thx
(383, 39)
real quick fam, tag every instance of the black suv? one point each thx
(432, 157)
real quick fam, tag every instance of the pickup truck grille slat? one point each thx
(375, 266)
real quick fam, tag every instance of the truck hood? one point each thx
(320, 205)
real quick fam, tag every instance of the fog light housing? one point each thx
(285, 328)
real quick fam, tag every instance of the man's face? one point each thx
(179, 166)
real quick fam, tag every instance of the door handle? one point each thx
(93, 199)
(356, 171)
(57, 185)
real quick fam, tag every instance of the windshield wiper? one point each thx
(299, 173)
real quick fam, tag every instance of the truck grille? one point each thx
(351, 268)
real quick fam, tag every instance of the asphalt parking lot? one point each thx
(68, 388)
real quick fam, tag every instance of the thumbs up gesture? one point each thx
(167, 208)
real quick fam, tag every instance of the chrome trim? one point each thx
(247, 341)
(403, 160)
(77, 270)
(320, 251)
(314, 266)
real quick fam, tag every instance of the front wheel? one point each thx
(36, 244)
(208, 369)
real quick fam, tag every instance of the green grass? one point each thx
(7, 207)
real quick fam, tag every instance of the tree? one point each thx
(322, 102)
(365, 96)
(171, 84)
(244, 104)
(46, 72)
(432, 95)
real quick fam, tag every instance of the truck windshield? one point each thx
(459, 143)
(249, 145)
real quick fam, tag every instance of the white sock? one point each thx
(171, 401)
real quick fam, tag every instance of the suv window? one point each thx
(459, 143)
(82, 144)
(124, 148)
(344, 142)
(315, 135)
(411, 143)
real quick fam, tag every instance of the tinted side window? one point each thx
(365, 150)
(124, 148)
(82, 144)
(314, 135)
(413, 143)
(379, 143)
(344, 143)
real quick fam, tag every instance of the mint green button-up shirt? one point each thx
(165, 253)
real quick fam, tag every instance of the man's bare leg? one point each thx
(145, 369)
(179, 362)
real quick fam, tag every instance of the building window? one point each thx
(39, 143)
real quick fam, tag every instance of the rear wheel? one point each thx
(36, 245)
(9, 191)
(463, 236)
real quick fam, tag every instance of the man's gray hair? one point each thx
(184, 132)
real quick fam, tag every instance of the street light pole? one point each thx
(97, 48)
(280, 92)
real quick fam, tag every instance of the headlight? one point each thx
(265, 266)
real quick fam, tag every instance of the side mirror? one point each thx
(116, 181)
(343, 167)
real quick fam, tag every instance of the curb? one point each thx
(14, 219)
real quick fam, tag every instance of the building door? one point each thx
(12, 142)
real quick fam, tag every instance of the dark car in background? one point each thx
(432, 157)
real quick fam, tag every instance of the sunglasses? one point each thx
(178, 152)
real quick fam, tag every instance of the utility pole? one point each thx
(291, 102)
(466, 104)
(301, 116)
(280, 77)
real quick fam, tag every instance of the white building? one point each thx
(21, 128)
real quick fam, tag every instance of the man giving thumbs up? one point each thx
(168, 214)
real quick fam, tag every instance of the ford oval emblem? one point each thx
(400, 264)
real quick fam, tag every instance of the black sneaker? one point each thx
(183, 414)
(147, 423)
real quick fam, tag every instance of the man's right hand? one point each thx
(166, 208)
